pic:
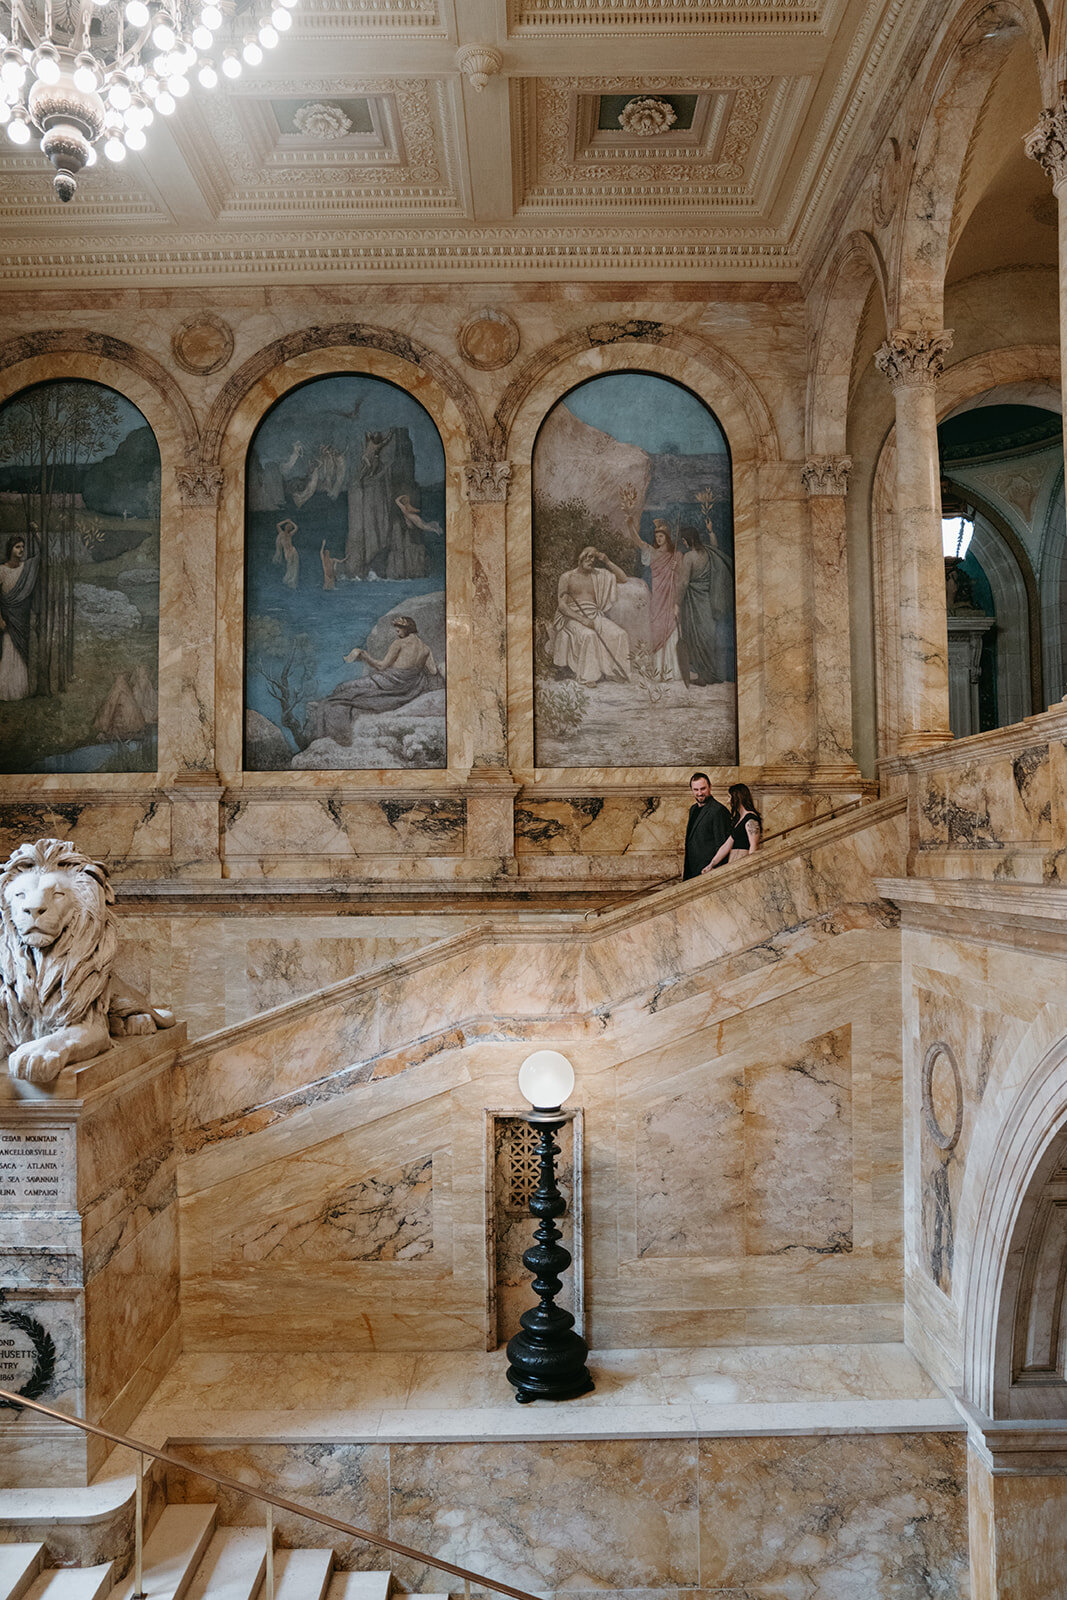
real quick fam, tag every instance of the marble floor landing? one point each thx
(464, 1395)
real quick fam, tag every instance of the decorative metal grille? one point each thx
(521, 1164)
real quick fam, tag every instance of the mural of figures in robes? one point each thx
(634, 614)
(79, 581)
(345, 581)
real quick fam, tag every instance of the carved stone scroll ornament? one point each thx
(60, 1001)
(914, 356)
(200, 486)
(826, 474)
(1047, 143)
(486, 481)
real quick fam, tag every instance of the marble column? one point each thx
(826, 480)
(913, 360)
(490, 790)
(1047, 145)
(187, 715)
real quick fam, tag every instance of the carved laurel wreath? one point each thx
(44, 1352)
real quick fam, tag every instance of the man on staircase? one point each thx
(708, 827)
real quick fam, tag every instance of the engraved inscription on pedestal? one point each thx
(35, 1164)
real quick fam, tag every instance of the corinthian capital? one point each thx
(486, 480)
(914, 356)
(199, 485)
(826, 474)
(1047, 143)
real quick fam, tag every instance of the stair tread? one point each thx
(359, 1586)
(232, 1566)
(172, 1551)
(301, 1574)
(19, 1565)
(71, 1583)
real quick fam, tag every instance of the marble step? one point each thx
(232, 1567)
(301, 1574)
(72, 1583)
(19, 1566)
(172, 1553)
(359, 1586)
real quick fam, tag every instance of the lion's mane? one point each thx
(43, 990)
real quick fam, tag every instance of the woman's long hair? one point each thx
(740, 799)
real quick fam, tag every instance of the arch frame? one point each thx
(752, 441)
(836, 315)
(272, 385)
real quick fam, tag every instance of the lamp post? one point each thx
(547, 1359)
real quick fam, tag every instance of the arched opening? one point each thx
(1002, 475)
(79, 581)
(633, 566)
(345, 581)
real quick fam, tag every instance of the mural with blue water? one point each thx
(345, 581)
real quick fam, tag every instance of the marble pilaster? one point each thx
(188, 656)
(913, 360)
(826, 480)
(1017, 1509)
(88, 1252)
(486, 492)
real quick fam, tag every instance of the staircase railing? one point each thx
(271, 1502)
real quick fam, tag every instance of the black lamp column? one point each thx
(547, 1359)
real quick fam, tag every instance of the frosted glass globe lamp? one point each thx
(547, 1357)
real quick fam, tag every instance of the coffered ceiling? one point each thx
(680, 138)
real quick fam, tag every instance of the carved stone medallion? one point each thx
(203, 343)
(488, 340)
(942, 1091)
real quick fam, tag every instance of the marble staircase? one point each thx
(188, 1556)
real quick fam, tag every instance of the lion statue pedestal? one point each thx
(88, 1208)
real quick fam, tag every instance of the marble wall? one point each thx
(737, 1057)
(492, 816)
(756, 1517)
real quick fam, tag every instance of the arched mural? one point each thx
(634, 638)
(345, 581)
(79, 581)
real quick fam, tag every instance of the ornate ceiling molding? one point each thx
(666, 16)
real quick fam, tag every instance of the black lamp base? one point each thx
(548, 1369)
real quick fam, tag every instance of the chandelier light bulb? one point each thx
(114, 149)
(230, 64)
(252, 53)
(208, 77)
(268, 36)
(18, 130)
(178, 86)
(211, 17)
(203, 37)
(86, 77)
(135, 139)
(12, 68)
(165, 103)
(163, 35)
(46, 64)
(5, 111)
(137, 14)
(281, 19)
(119, 95)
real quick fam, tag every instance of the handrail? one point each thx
(279, 1502)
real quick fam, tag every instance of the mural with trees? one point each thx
(79, 581)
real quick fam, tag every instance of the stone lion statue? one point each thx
(59, 1001)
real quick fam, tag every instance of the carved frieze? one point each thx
(486, 481)
(826, 474)
(1047, 142)
(913, 357)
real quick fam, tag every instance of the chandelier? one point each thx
(83, 73)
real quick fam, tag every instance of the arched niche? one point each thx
(80, 591)
(344, 581)
(747, 425)
(633, 578)
(838, 321)
(243, 419)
